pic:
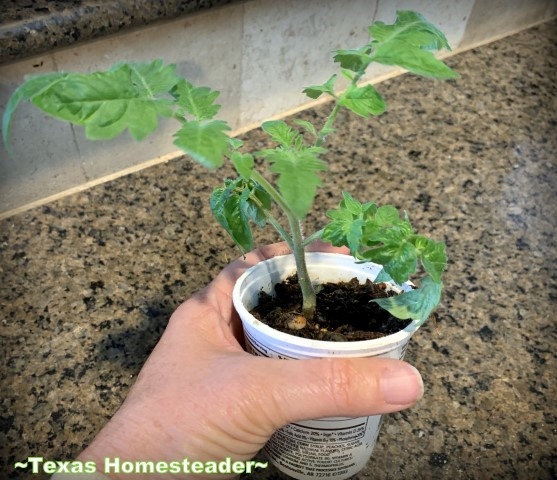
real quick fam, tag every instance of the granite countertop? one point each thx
(30, 27)
(88, 282)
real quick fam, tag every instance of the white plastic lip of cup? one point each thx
(323, 267)
(265, 341)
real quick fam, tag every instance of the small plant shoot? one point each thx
(134, 96)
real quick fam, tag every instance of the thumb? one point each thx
(352, 387)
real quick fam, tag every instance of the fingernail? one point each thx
(401, 385)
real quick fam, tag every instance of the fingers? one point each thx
(306, 389)
(219, 292)
(321, 246)
(227, 277)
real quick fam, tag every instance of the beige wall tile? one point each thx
(50, 156)
(205, 49)
(289, 44)
(44, 155)
(259, 54)
(491, 19)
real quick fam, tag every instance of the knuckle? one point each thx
(340, 381)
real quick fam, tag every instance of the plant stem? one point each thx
(308, 293)
(272, 191)
(327, 127)
(296, 239)
(296, 243)
(273, 221)
(314, 236)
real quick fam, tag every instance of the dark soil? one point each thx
(344, 311)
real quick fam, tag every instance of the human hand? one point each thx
(201, 396)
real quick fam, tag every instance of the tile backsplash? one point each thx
(258, 54)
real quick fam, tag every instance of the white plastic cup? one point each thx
(327, 447)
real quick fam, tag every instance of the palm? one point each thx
(200, 395)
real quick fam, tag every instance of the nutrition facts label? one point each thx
(351, 430)
(322, 448)
(327, 448)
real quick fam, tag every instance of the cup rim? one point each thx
(323, 345)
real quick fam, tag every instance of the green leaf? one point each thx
(307, 126)
(206, 141)
(383, 276)
(151, 78)
(315, 91)
(243, 164)
(280, 132)
(398, 258)
(414, 304)
(420, 62)
(298, 175)
(387, 215)
(235, 143)
(407, 43)
(353, 233)
(354, 60)
(413, 29)
(26, 91)
(347, 222)
(255, 204)
(380, 235)
(344, 230)
(375, 234)
(226, 205)
(348, 74)
(390, 237)
(236, 204)
(383, 227)
(107, 103)
(364, 101)
(197, 101)
(432, 255)
(352, 205)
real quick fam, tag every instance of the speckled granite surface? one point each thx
(88, 282)
(29, 27)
